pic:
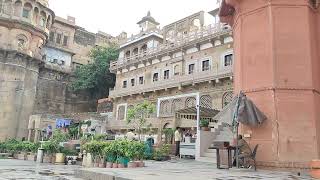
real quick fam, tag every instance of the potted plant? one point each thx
(32, 150)
(109, 154)
(57, 138)
(140, 154)
(49, 148)
(204, 124)
(132, 154)
(20, 147)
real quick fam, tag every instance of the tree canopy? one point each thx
(96, 77)
(137, 116)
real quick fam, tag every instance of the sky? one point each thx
(116, 16)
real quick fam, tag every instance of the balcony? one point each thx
(173, 82)
(122, 124)
(177, 44)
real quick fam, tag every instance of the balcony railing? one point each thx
(174, 81)
(176, 43)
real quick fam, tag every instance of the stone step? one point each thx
(208, 154)
(211, 151)
(207, 159)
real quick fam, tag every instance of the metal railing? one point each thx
(174, 81)
(173, 44)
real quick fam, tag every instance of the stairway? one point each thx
(223, 133)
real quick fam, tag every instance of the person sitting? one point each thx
(244, 151)
(130, 135)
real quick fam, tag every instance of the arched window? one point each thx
(121, 112)
(22, 42)
(127, 55)
(191, 102)
(176, 105)
(206, 101)
(176, 70)
(164, 107)
(43, 18)
(17, 8)
(35, 15)
(7, 8)
(135, 51)
(26, 10)
(48, 22)
(227, 98)
(144, 49)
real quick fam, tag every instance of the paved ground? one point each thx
(18, 169)
(176, 170)
(192, 170)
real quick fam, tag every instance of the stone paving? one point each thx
(192, 170)
(19, 169)
(174, 169)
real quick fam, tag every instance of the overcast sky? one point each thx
(115, 16)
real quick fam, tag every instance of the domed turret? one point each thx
(24, 28)
(148, 22)
(27, 22)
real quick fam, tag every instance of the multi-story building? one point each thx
(68, 47)
(171, 67)
(36, 65)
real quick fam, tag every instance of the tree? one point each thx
(137, 116)
(96, 77)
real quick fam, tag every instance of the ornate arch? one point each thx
(176, 105)
(164, 107)
(227, 98)
(206, 101)
(121, 112)
(191, 102)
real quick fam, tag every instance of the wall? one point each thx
(280, 77)
(18, 78)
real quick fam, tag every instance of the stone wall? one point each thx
(18, 79)
(54, 95)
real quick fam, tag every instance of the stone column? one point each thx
(29, 134)
(277, 66)
(36, 135)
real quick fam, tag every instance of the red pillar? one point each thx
(277, 64)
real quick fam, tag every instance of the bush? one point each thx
(119, 151)
(15, 146)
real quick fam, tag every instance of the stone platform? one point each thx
(185, 170)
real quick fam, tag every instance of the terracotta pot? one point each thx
(205, 128)
(315, 169)
(95, 164)
(114, 165)
(22, 156)
(47, 158)
(109, 165)
(31, 157)
(132, 164)
(140, 164)
(102, 165)
(121, 166)
(59, 158)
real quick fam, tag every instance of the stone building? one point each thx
(281, 78)
(170, 67)
(38, 52)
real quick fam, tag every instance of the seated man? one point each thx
(244, 151)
